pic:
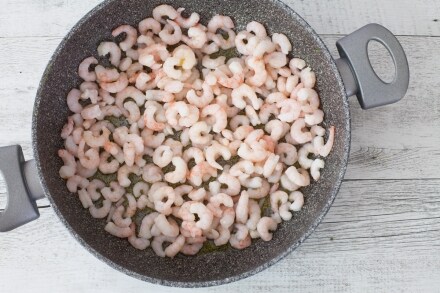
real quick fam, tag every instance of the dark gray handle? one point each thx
(23, 188)
(358, 74)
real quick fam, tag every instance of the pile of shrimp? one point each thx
(210, 140)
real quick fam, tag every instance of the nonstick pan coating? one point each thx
(50, 113)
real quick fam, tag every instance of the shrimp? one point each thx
(171, 34)
(116, 86)
(102, 212)
(245, 92)
(196, 38)
(321, 148)
(314, 168)
(90, 158)
(129, 92)
(286, 183)
(189, 22)
(151, 140)
(297, 199)
(287, 152)
(317, 130)
(220, 22)
(118, 219)
(309, 99)
(163, 155)
(239, 120)
(242, 208)
(242, 42)
(277, 199)
(266, 111)
(266, 224)
(123, 173)
(253, 153)
(176, 146)
(121, 232)
(179, 174)
(164, 10)
(159, 196)
(105, 166)
(303, 154)
(232, 183)
(289, 110)
(69, 167)
(179, 191)
(130, 38)
(257, 29)
(214, 151)
(96, 141)
(242, 168)
(276, 60)
(76, 181)
(197, 194)
(298, 176)
(275, 98)
(204, 214)
(174, 111)
(152, 115)
(203, 99)
(83, 171)
(270, 165)
(157, 244)
(275, 128)
(281, 41)
(240, 244)
(153, 55)
(84, 69)
(151, 173)
(190, 119)
(264, 46)
(260, 74)
(111, 49)
(297, 133)
(308, 78)
(201, 171)
(91, 112)
(199, 133)
(224, 236)
(146, 225)
(191, 249)
(149, 25)
(193, 153)
(138, 243)
(167, 227)
(254, 215)
(207, 62)
(133, 111)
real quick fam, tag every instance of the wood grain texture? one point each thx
(405, 17)
(379, 236)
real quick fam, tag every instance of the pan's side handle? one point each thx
(358, 74)
(23, 188)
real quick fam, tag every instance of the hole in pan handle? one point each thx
(358, 75)
(23, 188)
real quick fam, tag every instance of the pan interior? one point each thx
(51, 111)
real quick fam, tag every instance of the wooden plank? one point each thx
(405, 17)
(392, 142)
(380, 236)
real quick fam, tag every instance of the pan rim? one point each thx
(209, 283)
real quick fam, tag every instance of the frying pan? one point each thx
(352, 74)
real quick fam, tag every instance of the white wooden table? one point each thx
(382, 234)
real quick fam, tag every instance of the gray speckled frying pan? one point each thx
(336, 81)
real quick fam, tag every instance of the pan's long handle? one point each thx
(23, 188)
(358, 74)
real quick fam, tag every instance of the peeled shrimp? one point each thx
(214, 151)
(179, 174)
(84, 69)
(130, 39)
(266, 224)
